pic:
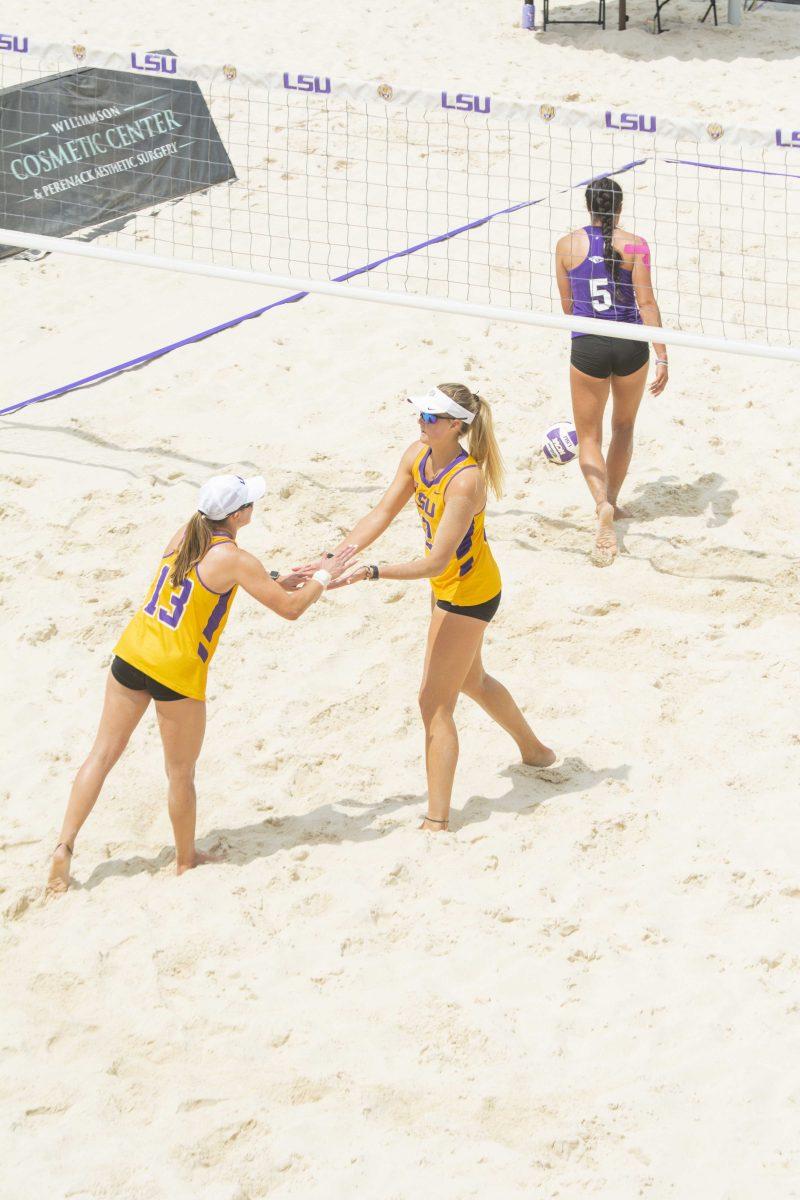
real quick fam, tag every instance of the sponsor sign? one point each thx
(91, 145)
(788, 137)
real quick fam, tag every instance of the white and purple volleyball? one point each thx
(560, 443)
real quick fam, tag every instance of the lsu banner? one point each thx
(84, 147)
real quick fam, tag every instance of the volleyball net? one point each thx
(452, 199)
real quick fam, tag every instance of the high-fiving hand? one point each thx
(335, 565)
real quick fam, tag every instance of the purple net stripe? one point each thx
(142, 359)
(688, 162)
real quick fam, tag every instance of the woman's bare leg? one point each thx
(452, 644)
(497, 701)
(627, 392)
(123, 709)
(182, 724)
(589, 399)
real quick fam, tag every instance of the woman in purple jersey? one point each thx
(604, 272)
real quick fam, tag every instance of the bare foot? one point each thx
(434, 826)
(622, 514)
(539, 756)
(605, 543)
(201, 857)
(58, 879)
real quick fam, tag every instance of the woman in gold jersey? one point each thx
(449, 485)
(165, 651)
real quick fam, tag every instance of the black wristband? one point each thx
(274, 574)
(373, 572)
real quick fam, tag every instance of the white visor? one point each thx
(224, 494)
(440, 404)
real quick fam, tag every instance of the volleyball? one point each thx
(560, 443)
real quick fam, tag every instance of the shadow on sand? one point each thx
(685, 37)
(359, 822)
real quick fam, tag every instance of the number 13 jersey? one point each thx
(174, 635)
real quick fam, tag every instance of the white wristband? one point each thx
(323, 577)
(664, 362)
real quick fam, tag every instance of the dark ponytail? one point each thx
(604, 200)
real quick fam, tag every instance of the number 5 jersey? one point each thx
(594, 294)
(173, 636)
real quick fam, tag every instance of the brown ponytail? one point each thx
(604, 200)
(196, 540)
(482, 441)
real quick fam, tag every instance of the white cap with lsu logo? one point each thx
(224, 494)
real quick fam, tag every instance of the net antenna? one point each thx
(449, 201)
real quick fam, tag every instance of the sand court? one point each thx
(588, 988)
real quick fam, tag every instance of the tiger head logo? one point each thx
(79, 52)
(546, 112)
(229, 73)
(715, 131)
(385, 91)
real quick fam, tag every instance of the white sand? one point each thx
(590, 987)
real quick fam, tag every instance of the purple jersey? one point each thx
(594, 294)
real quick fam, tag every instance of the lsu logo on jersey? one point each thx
(427, 511)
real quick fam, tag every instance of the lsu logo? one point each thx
(385, 91)
(10, 41)
(229, 73)
(155, 63)
(307, 83)
(715, 131)
(466, 103)
(546, 112)
(788, 139)
(637, 122)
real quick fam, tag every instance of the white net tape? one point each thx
(451, 195)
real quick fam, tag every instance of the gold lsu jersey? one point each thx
(174, 635)
(471, 576)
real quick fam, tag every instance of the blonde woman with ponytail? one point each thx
(450, 486)
(603, 272)
(165, 651)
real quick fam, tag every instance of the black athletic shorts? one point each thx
(137, 681)
(604, 356)
(481, 612)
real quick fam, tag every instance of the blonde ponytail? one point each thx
(482, 442)
(196, 540)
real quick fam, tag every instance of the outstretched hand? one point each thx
(357, 575)
(323, 563)
(341, 562)
(291, 582)
(308, 569)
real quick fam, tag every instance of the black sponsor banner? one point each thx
(91, 145)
